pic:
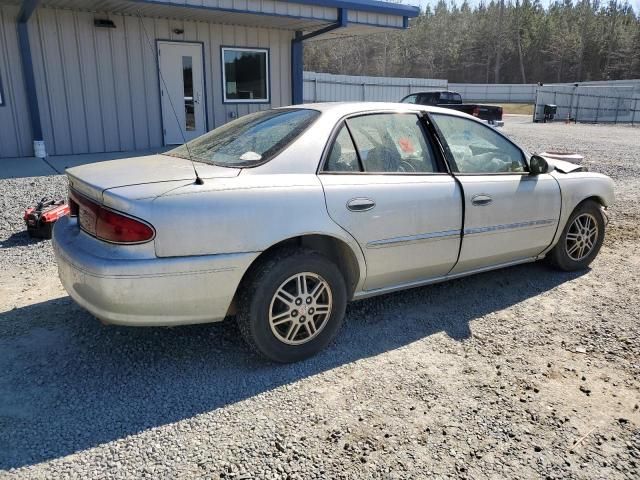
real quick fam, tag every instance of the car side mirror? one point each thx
(538, 165)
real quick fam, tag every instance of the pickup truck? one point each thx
(446, 99)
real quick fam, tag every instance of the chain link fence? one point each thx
(589, 104)
(593, 102)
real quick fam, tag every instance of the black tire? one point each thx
(259, 288)
(559, 256)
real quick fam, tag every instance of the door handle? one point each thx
(360, 204)
(481, 200)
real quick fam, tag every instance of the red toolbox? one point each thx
(41, 218)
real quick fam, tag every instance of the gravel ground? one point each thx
(520, 373)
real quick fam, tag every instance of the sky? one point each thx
(423, 3)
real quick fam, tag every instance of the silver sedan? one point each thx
(283, 216)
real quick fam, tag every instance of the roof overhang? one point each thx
(363, 16)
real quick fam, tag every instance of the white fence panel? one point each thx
(606, 101)
(326, 87)
(496, 93)
(590, 103)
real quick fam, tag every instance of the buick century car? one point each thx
(283, 216)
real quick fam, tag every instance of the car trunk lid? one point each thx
(162, 170)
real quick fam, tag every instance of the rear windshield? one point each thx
(249, 140)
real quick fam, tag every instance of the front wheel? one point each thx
(581, 238)
(292, 305)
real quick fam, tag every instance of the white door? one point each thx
(383, 185)
(181, 91)
(510, 215)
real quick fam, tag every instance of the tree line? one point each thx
(496, 42)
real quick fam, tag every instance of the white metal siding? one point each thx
(15, 130)
(98, 87)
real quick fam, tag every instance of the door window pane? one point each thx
(246, 75)
(187, 81)
(392, 142)
(343, 156)
(477, 148)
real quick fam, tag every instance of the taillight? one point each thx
(118, 228)
(106, 224)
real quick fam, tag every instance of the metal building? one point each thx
(85, 76)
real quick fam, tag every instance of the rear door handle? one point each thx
(360, 204)
(481, 200)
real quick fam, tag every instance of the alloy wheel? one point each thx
(300, 308)
(581, 237)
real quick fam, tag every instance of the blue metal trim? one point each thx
(297, 68)
(362, 5)
(343, 15)
(297, 55)
(222, 76)
(3, 101)
(27, 9)
(405, 22)
(366, 6)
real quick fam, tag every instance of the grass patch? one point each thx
(515, 108)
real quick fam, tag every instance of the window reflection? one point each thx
(187, 79)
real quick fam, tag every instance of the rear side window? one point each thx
(385, 143)
(343, 156)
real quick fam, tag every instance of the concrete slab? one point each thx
(17, 167)
(56, 165)
(62, 162)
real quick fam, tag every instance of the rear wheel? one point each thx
(292, 305)
(581, 238)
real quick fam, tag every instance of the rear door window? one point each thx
(392, 143)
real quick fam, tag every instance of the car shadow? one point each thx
(19, 239)
(68, 383)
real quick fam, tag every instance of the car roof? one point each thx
(341, 109)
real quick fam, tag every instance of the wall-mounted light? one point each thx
(103, 23)
(178, 31)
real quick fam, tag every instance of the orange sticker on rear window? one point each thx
(406, 145)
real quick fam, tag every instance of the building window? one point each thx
(245, 75)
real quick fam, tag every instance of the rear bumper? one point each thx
(130, 286)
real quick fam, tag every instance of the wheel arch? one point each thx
(336, 249)
(570, 204)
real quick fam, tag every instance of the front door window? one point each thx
(475, 148)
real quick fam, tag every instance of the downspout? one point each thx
(297, 55)
(27, 9)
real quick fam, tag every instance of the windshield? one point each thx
(249, 140)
